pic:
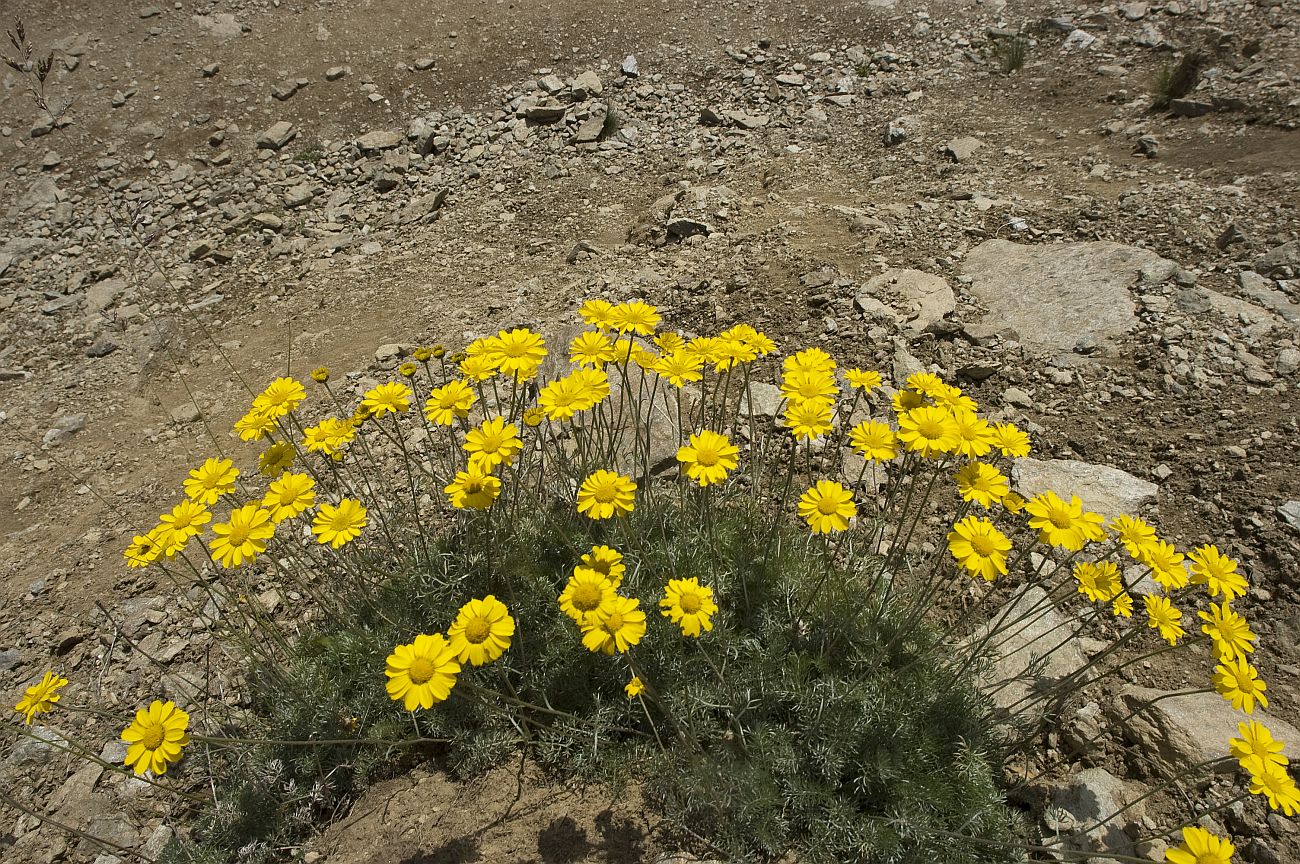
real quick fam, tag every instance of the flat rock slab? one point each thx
(1105, 490)
(1082, 801)
(1036, 645)
(1180, 732)
(1054, 295)
(923, 298)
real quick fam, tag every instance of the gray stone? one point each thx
(211, 70)
(544, 113)
(1290, 513)
(1178, 733)
(186, 412)
(1287, 362)
(905, 364)
(1035, 645)
(9, 659)
(1017, 397)
(642, 460)
(1105, 490)
(157, 842)
(1134, 11)
(64, 428)
(285, 89)
(423, 209)
(1082, 801)
(150, 12)
(587, 85)
(792, 79)
(629, 67)
(1190, 107)
(926, 297)
(1279, 259)
(40, 197)
(37, 748)
(103, 294)
(551, 84)
(276, 136)
(1052, 295)
(113, 829)
(380, 139)
(219, 26)
(424, 64)
(334, 73)
(962, 149)
(101, 347)
(300, 195)
(767, 400)
(589, 130)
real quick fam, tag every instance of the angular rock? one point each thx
(962, 149)
(544, 113)
(378, 140)
(1105, 490)
(1035, 646)
(589, 130)
(1052, 295)
(767, 400)
(1180, 732)
(1085, 799)
(682, 228)
(1280, 259)
(926, 297)
(424, 208)
(587, 85)
(1190, 107)
(276, 136)
(300, 195)
(629, 67)
(101, 347)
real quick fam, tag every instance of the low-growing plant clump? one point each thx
(647, 563)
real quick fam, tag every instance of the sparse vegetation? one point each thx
(1175, 80)
(35, 70)
(1011, 53)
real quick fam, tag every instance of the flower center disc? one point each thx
(239, 535)
(586, 597)
(690, 603)
(1060, 519)
(982, 545)
(153, 737)
(828, 506)
(477, 630)
(421, 670)
(707, 458)
(605, 493)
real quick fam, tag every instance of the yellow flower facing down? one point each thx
(407, 370)
(1010, 441)
(635, 317)
(759, 342)
(803, 386)
(827, 507)
(276, 459)
(634, 688)
(679, 367)
(422, 672)
(478, 367)
(493, 443)
(330, 436)
(809, 360)
(41, 697)
(533, 416)
(929, 431)
(1164, 617)
(615, 626)
(255, 426)
(906, 400)
(974, 438)
(448, 403)
(1123, 605)
(925, 383)
(874, 440)
(211, 480)
(982, 484)
(689, 605)
(605, 494)
(708, 458)
(244, 537)
(320, 374)
(1217, 572)
(1099, 581)
(606, 561)
(280, 397)
(959, 403)
(1239, 683)
(1134, 533)
(156, 738)
(586, 592)
(1201, 847)
(1229, 631)
(519, 352)
(177, 527)
(1275, 784)
(598, 313)
(1012, 502)
(473, 489)
(730, 352)
(391, 398)
(289, 495)
(1061, 523)
(591, 348)
(1256, 749)
(146, 548)
(668, 342)
(862, 379)
(336, 525)
(976, 544)
(809, 419)
(482, 630)
(1166, 564)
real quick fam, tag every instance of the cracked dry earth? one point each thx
(241, 188)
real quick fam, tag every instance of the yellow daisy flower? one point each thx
(1239, 683)
(289, 495)
(976, 544)
(41, 697)
(982, 484)
(242, 538)
(448, 403)
(689, 605)
(1163, 617)
(493, 443)
(422, 672)
(156, 738)
(211, 480)
(708, 458)
(482, 630)
(337, 525)
(606, 561)
(827, 507)
(615, 626)
(1201, 847)
(606, 493)
(1217, 572)
(279, 398)
(473, 489)
(929, 431)
(635, 317)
